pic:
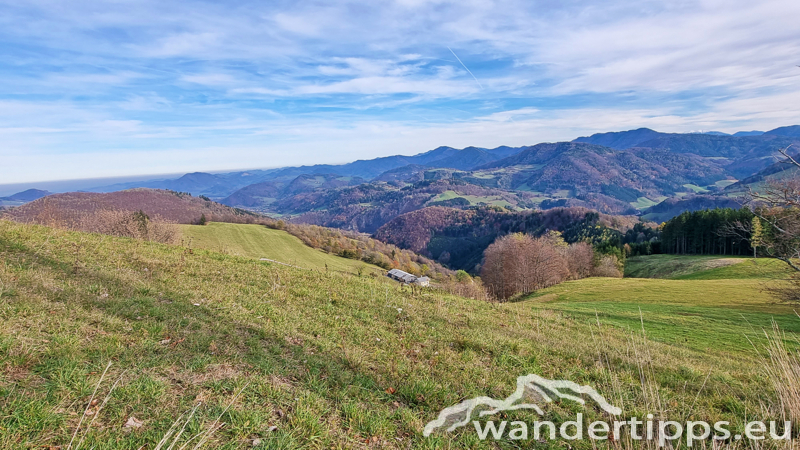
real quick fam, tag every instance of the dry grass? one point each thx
(783, 367)
(132, 225)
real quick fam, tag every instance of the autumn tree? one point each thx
(580, 260)
(519, 264)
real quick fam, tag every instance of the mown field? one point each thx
(258, 241)
(314, 359)
(683, 267)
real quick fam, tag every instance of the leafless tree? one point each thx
(580, 260)
(775, 230)
(778, 209)
(519, 264)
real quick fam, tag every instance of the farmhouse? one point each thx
(407, 278)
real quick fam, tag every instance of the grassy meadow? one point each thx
(258, 241)
(290, 358)
(683, 267)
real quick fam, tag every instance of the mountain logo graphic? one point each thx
(530, 388)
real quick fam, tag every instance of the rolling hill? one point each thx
(312, 359)
(672, 207)
(458, 238)
(258, 241)
(366, 207)
(27, 196)
(611, 180)
(264, 193)
(713, 267)
(171, 206)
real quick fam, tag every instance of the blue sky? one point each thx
(97, 89)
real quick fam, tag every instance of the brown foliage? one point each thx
(359, 246)
(607, 266)
(519, 264)
(132, 225)
(471, 288)
(415, 230)
(171, 206)
(580, 260)
(135, 225)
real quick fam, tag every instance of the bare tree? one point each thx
(778, 210)
(775, 229)
(519, 264)
(580, 260)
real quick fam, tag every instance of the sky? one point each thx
(118, 88)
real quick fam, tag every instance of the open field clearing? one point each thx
(258, 241)
(309, 359)
(707, 316)
(684, 267)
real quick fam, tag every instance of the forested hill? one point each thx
(458, 238)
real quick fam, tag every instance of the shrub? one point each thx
(135, 225)
(607, 266)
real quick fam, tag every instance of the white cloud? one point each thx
(266, 83)
(210, 79)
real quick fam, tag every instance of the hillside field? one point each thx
(258, 241)
(314, 359)
(706, 267)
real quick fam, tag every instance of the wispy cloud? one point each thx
(151, 82)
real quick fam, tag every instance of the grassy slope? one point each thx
(703, 267)
(330, 359)
(493, 200)
(257, 241)
(704, 315)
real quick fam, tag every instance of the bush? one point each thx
(135, 225)
(608, 266)
(463, 277)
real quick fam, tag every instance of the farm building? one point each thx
(407, 278)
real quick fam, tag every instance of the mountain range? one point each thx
(616, 173)
(624, 172)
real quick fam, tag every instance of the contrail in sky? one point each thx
(465, 67)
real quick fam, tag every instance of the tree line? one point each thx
(706, 232)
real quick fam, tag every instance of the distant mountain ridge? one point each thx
(20, 198)
(623, 172)
(621, 140)
(219, 186)
(626, 174)
(26, 196)
(790, 131)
